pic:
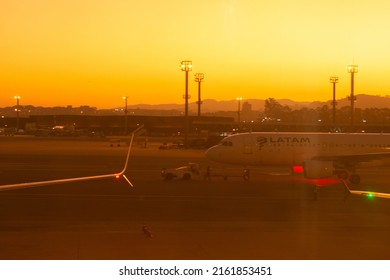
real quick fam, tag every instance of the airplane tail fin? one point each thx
(79, 179)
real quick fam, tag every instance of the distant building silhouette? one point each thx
(246, 107)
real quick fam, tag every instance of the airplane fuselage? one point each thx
(269, 148)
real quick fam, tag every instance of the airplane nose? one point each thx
(213, 154)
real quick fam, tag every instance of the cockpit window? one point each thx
(227, 143)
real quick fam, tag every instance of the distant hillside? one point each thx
(367, 101)
(211, 105)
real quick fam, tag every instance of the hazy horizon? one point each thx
(212, 105)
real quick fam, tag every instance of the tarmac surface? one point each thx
(271, 216)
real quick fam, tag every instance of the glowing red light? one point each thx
(325, 182)
(117, 176)
(297, 169)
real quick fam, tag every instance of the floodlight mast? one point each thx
(17, 97)
(186, 66)
(239, 110)
(126, 111)
(199, 78)
(352, 69)
(334, 80)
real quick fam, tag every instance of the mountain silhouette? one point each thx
(211, 105)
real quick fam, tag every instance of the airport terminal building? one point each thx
(119, 125)
(163, 126)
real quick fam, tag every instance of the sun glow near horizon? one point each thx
(94, 52)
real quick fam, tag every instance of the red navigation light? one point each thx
(297, 169)
(117, 176)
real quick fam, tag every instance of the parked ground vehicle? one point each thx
(191, 170)
(225, 174)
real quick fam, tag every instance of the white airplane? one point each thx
(118, 175)
(316, 155)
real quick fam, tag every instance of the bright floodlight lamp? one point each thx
(125, 99)
(199, 78)
(186, 66)
(352, 69)
(334, 80)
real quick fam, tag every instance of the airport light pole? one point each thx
(352, 69)
(199, 78)
(239, 110)
(334, 80)
(17, 97)
(186, 66)
(126, 111)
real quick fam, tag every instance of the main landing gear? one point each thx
(345, 175)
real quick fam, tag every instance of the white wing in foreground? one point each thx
(78, 179)
(368, 194)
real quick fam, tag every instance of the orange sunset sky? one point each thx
(93, 52)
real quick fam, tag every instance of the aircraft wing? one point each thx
(368, 194)
(353, 157)
(78, 179)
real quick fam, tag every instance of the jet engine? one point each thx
(315, 169)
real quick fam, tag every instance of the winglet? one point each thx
(347, 191)
(78, 179)
(133, 135)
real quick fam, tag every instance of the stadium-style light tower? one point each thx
(239, 109)
(199, 78)
(352, 69)
(17, 97)
(125, 99)
(186, 66)
(334, 80)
